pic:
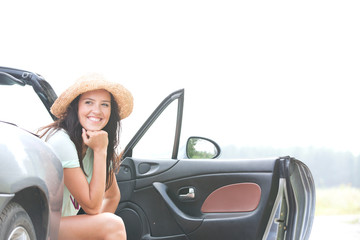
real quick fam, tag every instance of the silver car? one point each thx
(31, 176)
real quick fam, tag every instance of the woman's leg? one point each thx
(103, 226)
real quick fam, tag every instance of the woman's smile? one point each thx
(94, 119)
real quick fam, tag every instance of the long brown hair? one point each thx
(71, 124)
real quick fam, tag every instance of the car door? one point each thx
(165, 195)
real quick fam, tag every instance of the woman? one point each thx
(85, 138)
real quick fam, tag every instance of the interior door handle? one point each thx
(187, 193)
(187, 223)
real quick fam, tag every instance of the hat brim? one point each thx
(91, 82)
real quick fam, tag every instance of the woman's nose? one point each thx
(96, 108)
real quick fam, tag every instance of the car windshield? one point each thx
(21, 106)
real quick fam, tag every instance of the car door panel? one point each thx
(158, 196)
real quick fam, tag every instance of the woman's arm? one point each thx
(112, 197)
(90, 195)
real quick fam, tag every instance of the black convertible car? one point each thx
(182, 191)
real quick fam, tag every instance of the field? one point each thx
(343, 200)
(337, 214)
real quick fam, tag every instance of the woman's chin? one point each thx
(93, 128)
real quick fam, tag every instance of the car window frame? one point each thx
(177, 95)
(41, 87)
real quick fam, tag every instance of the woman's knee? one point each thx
(114, 227)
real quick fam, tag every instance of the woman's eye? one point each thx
(88, 102)
(105, 104)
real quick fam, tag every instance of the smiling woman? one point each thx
(85, 137)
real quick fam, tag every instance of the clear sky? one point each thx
(256, 73)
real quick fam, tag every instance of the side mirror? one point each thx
(199, 147)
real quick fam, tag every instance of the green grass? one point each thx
(337, 201)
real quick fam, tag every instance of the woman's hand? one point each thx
(96, 140)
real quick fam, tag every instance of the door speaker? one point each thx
(132, 222)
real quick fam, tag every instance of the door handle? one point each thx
(186, 222)
(187, 193)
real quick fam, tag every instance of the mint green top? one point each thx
(65, 150)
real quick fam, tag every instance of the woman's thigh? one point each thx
(100, 226)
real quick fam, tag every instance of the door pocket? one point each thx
(239, 197)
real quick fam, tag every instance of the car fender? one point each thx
(30, 173)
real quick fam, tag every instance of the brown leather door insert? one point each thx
(239, 197)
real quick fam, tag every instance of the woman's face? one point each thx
(94, 109)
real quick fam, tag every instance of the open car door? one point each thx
(165, 195)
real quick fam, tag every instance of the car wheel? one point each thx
(15, 223)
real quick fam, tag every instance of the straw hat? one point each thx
(92, 82)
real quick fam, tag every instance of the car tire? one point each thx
(15, 223)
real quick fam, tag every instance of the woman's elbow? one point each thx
(92, 209)
(91, 212)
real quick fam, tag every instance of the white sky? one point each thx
(273, 73)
